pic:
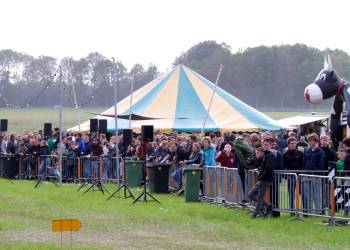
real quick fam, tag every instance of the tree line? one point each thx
(28, 81)
(264, 77)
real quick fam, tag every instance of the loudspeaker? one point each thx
(3, 125)
(147, 133)
(127, 137)
(47, 129)
(10, 168)
(102, 126)
(93, 125)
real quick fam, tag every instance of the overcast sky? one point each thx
(157, 31)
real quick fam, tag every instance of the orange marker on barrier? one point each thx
(79, 174)
(297, 196)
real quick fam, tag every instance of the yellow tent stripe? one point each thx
(221, 112)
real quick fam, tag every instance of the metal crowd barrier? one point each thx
(297, 193)
(74, 169)
(315, 196)
(285, 189)
(341, 197)
(224, 185)
(102, 168)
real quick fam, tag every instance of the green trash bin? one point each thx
(192, 183)
(133, 173)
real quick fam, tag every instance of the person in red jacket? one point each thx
(226, 158)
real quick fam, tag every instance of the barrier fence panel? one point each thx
(209, 182)
(220, 184)
(233, 187)
(283, 195)
(251, 179)
(341, 197)
(315, 196)
(172, 184)
(48, 165)
(69, 168)
(30, 166)
(108, 169)
(90, 168)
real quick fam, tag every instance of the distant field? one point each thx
(34, 118)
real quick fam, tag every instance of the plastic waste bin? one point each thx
(133, 173)
(192, 184)
(158, 176)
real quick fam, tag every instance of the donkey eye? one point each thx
(323, 77)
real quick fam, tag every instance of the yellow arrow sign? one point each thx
(67, 225)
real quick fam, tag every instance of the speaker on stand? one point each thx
(127, 140)
(102, 126)
(146, 137)
(3, 125)
(93, 125)
(47, 130)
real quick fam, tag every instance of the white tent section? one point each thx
(296, 121)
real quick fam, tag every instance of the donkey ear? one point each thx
(325, 62)
(329, 63)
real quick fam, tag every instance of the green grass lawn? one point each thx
(33, 119)
(26, 214)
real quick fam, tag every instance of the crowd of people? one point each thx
(265, 151)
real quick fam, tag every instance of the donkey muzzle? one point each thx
(313, 94)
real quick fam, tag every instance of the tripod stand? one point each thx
(145, 193)
(43, 177)
(123, 187)
(96, 185)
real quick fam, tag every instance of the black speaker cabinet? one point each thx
(93, 125)
(127, 137)
(147, 133)
(102, 126)
(47, 129)
(3, 125)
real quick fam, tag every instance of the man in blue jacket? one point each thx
(314, 159)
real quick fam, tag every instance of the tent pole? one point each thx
(212, 97)
(132, 90)
(74, 94)
(116, 120)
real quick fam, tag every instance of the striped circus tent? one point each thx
(179, 100)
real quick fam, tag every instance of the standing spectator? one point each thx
(292, 161)
(255, 140)
(341, 156)
(330, 155)
(3, 143)
(226, 158)
(302, 142)
(282, 140)
(11, 145)
(265, 177)
(244, 155)
(314, 159)
(96, 152)
(209, 152)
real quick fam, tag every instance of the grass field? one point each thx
(26, 214)
(34, 118)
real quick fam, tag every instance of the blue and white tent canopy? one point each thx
(179, 101)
